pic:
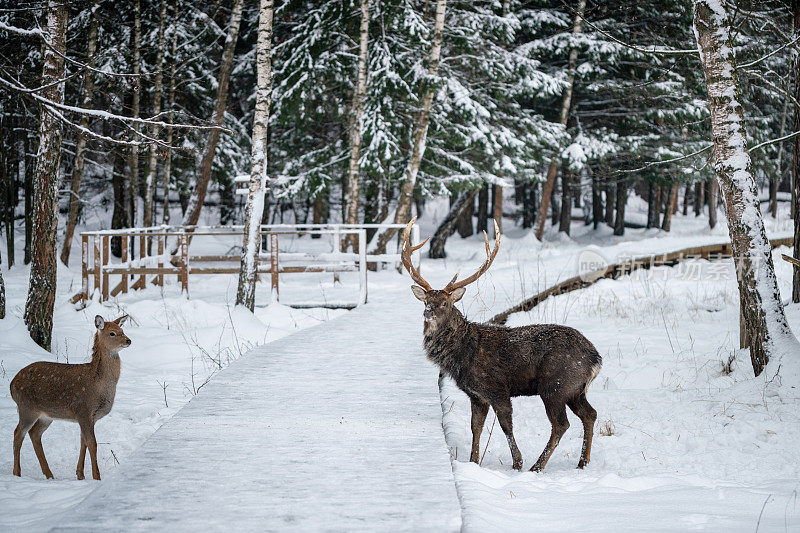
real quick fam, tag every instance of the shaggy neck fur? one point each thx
(104, 360)
(449, 343)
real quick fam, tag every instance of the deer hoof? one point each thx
(582, 463)
(537, 468)
(517, 465)
(81, 476)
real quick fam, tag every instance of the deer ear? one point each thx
(121, 320)
(457, 294)
(419, 292)
(99, 323)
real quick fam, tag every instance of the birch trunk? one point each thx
(566, 101)
(354, 168)
(198, 197)
(245, 295)
(497, 205)
(170, 115)
(796, 160)
(80, 145)
(152, 165)
(42, 286)
(766, 329)
(132, 183)
(403, 213)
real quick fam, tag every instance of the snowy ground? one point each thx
(689, 447)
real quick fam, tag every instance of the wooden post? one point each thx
(124, 259)
(273, 265)
(184, 276)
(362, 266)
(84, 267)
(96, 263)
(105, 263)
(142, 255)
(161, 259)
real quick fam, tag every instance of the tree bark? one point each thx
(80, 144)
(119, 217)
(483, 208)
(2, 297)
(132, 184)
(42, 286)
(712, 189)
(762, 312)
(357, 109)
(566, 201)
(795, 207)
(597, 202)
(248, 270)
(30, 169)
(497, 205)
(652, 221)
(668, 212)
(198, 196)
(622, 198)
(165, 216)
(152, 165)
(687, 193)
(449, 223)
(610, 203)
(699, 193)
(465, 228)
(566, 101)
(403, 212)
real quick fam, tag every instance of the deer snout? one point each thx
(127, 341)
(428, 314)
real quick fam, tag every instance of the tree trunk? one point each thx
(766, 327)
(449, 223)
(652, 219)
(610, 202)
(711, 189)
(483, 208)
(2, 297)
(170, 116)
(497, 205)
(198, 196)
(248, 270)
(566, 100)
(566, 200)
(132, 185)
(80, 145)
(152, 165)
(42, 286)
(465, 228)
(357, 109)
(622, 198)
(597, 202)
(795, 207)
(30, 169)
(775, 182)
(699, 193)
(687, 193)
(119, 216)
(668, 212)
(403, 211)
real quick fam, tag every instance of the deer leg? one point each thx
(479, 410)
(581, 407)
(81, 459)
(504, 416)
(87, 433)
(26, 422)
(36, 439)
(557, 414)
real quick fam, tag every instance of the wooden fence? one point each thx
(152, 254)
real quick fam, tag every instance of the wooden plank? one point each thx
(160, 277)
(105, 239)
(142, 256)
(84, 267)
(97, 277)
(184, 251)
(792, 260)
(124, 258)
(116, 290)
(142, 271)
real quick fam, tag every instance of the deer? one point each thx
(492, 364)
(82, 393)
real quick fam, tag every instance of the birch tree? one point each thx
(132, 182)
(403, 212)
(248, 270)
(80, 144)
(354, 167)
(152, 166)
(42, 286)
(198, 197)
(767, 331)
(795, 196)
(170, 114)
(563, 117)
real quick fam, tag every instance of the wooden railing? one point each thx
(157, 252)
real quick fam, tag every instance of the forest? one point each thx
(569, 126)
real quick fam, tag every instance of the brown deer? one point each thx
(82, 393)
(492, 364)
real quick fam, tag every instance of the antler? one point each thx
(405, 256)
(490, 255)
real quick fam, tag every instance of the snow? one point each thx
(346, 413)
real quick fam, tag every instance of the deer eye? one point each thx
(113, 334)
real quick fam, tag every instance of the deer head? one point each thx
(110, 336)
(439, 304)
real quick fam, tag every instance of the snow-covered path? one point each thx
(325, 429)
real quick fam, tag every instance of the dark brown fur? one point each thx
(492, 364)
(82, 393)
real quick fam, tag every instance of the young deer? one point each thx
(82, 393)
(492, 364)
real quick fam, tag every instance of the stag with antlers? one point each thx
(493, 364)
